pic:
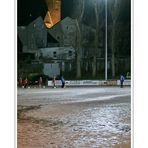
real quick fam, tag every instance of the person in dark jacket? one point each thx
(121, 80)
(62, 81)
(20, 82)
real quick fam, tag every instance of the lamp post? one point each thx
(105, 39)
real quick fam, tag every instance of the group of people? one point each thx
(24, 82)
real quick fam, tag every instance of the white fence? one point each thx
(91, 83)
(126, 82)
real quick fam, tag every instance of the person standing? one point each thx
(25, 83)
(20, 82)
(54, 81)
(121, 80)
(40, 82)
(63, 82)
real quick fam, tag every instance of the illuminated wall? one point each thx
(54, 12)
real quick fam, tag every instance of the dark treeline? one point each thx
(91, 13)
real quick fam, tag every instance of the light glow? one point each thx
(54, 13)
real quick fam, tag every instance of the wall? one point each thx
(64, 32)
(51, 69)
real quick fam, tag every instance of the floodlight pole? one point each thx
(105, 39)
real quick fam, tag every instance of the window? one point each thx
(70, 53)
(54, 54)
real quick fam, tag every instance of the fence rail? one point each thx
(91, 83)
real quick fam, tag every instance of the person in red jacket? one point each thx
(25, 83)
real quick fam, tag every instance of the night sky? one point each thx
(67, 7)
(28, 10)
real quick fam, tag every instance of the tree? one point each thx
(94, 66)
(96, 40)
(79, 39)
(115, 14)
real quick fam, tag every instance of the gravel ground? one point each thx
(74, 118)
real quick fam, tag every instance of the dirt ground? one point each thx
(74, 118)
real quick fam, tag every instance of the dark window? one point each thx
(70, 53)
(54, 54)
